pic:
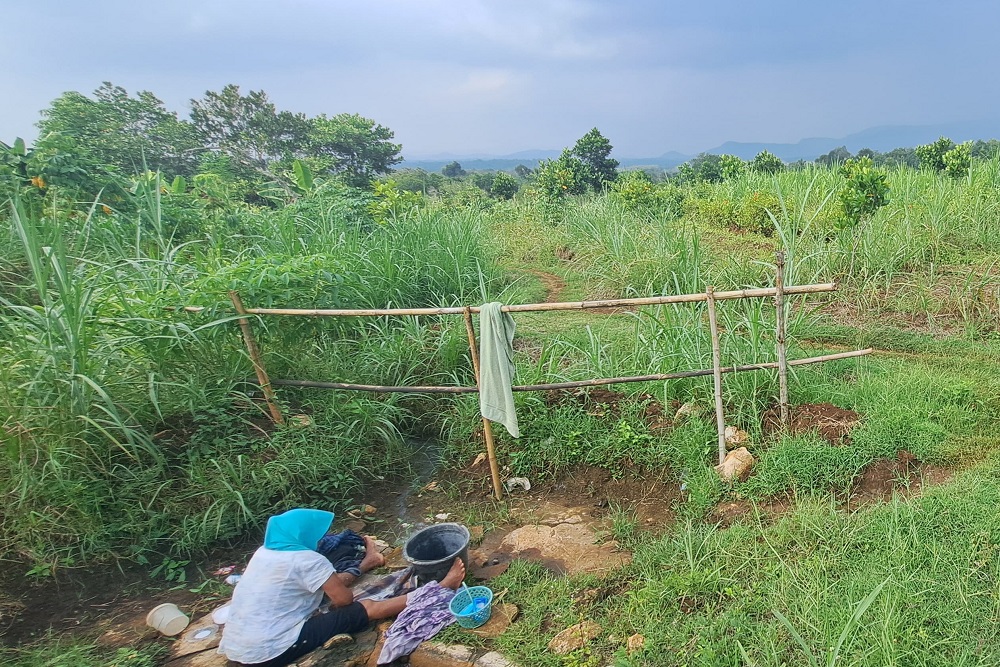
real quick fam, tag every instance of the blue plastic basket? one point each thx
(472, 606)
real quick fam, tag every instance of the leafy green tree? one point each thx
(766, 162)
(931, 155)
(873, 155)
(866, 190)
(594, 151)
(985, 150)
(958, 160)
(523, 171)
(732, 167)
(453, 170)
(418, 180)
(353, 147)
(566, 175)
(482, 180)
(249, 129)
(835, 157)
(899, 157)
(129, 134)
(504, 185)
(705, 168)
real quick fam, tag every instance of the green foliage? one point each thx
(732, 167)
(866, 190)
(755, 213)
(566, 175)
(931, 155)
(766, 162)
(453, 170)
(636, 192)
(706, 168)
(594, 151)
(125, 134)
(504, 186)
(958, 160)
(392, 203)
(834, 158)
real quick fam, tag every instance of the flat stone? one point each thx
(199, 636)
(435, 654)
(574, 637)
(501, 616)
(567, 548)
(635, 642)
(494, 659)
(209, 658)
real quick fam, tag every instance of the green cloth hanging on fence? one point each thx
(496, 366)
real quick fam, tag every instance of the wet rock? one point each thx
(494, 659)
(501, 616)
(435, 654)
(574, 637)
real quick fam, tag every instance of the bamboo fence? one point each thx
(778, 293)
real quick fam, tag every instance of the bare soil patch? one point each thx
(831, 423)
(905, 475)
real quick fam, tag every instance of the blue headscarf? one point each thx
(297, 530)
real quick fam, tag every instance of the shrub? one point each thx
(866, 190)
(753, 213)
(958, 160)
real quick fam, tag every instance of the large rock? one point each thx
(435, 654)
(736, 465)
(566, 548)
(501, 616)
(574, 637)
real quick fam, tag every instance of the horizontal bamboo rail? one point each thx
(568, 385)
(538, 307)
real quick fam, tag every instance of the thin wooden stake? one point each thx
(720, 418)
(258, 363)
(491, 453)
(781, 326)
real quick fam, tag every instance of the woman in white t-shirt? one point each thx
(271, 621)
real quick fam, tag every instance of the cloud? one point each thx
(653, 75)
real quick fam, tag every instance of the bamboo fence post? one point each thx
(258, 363)
(720, 418)
(491, 453)
(781, 326)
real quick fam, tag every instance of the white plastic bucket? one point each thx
(167, 619)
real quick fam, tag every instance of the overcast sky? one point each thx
(480, 76)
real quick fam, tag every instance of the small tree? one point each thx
(931, 155)
(866, 190)
(523, 172)
(453, 170)
(732, 167)
(837, 156)
(594, 150)
(958, 160)
(707, 167)
(766, 162)
(504, 185)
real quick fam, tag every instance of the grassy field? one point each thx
(131, 431)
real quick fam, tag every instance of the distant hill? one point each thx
(881, 139)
